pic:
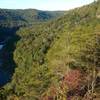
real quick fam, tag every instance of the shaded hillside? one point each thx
(25, 17)
(11, 20)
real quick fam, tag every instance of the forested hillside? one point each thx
(28, 16)
(10, 22)
(58, 59)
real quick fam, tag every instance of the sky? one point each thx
(43, 4)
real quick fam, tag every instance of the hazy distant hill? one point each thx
(28, 16)
(12, 20)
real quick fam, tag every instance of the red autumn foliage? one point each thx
(47, 98)
(72, 79)
(51, 94)
(53, 91)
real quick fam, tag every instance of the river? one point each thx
(3, 74)
(1, 46)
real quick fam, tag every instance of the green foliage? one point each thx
(13, 18)
(48, 50)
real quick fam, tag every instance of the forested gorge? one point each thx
(54, 55)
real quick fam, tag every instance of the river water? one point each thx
(3, 74)
(1, 46)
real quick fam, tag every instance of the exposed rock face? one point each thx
(98, 16)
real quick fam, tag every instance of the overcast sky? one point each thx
(43, 4)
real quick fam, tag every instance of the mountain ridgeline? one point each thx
(51, 55)
(26, 17)
(11, 20)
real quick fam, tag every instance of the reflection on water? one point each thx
(1, 46)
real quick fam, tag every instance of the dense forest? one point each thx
(50, 55)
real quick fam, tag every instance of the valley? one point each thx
(50, 55)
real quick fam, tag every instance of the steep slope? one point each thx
(10, 22)
(80, 25)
